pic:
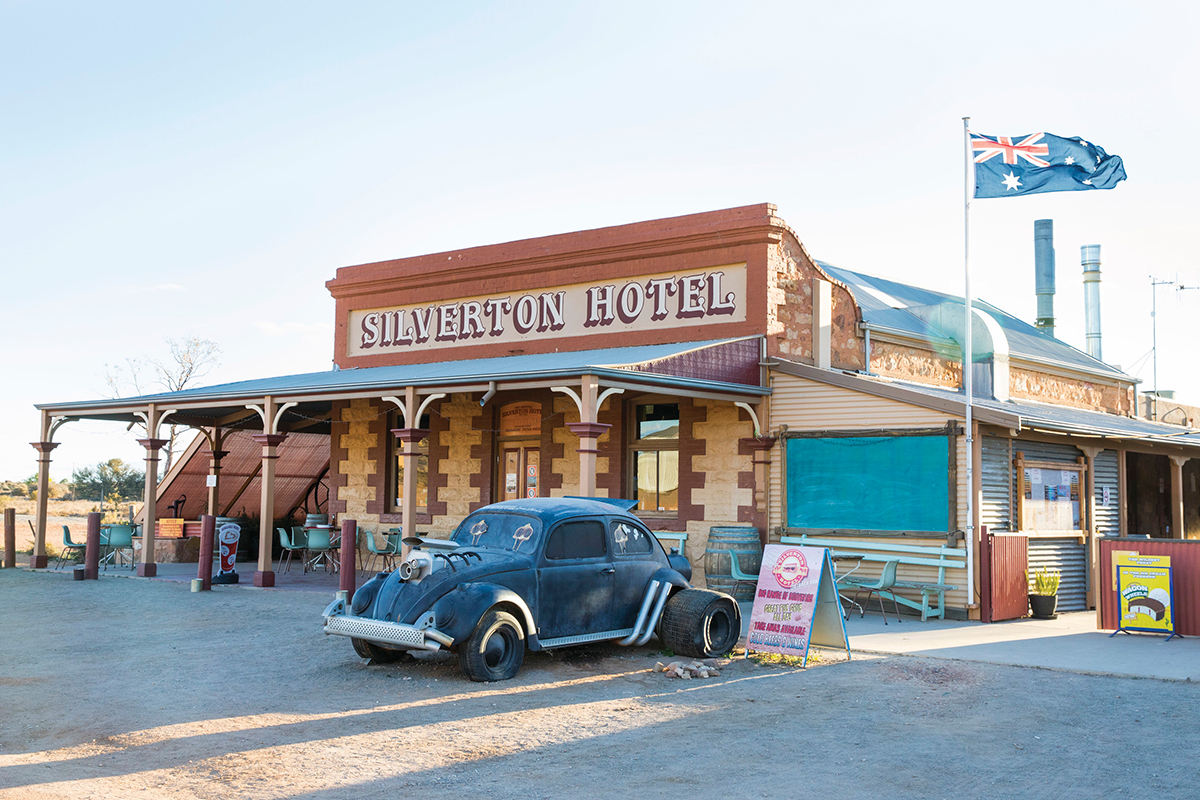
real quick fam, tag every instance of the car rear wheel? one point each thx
(701, 623)
(495, 650)
(380, 655)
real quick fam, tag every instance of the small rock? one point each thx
(658, 667)
(687, 676)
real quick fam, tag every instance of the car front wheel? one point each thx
(495, 650)
(701, 623)
(380, 655)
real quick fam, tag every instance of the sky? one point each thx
(201, 169)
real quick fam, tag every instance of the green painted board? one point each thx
(891, 483)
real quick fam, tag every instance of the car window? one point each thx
(506, 531)
(629, 539)
(578, 539)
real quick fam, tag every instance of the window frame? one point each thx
(635, 445)
(392, 481)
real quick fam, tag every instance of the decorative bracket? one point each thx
(567, 390)
(420, 410)
(153, 434)
(753, 416)
(269, 426)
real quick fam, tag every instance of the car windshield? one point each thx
(504, 531)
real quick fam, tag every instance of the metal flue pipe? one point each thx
(1089, 256)
(1043, 270)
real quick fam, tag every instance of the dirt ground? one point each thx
(127, 688)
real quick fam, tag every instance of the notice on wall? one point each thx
(1051, 501)
(1145, 599)
(796, 603)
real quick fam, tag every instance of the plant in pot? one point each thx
(1043, 592)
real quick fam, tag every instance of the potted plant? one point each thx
(1043, 594)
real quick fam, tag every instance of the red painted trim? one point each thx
(44, 447)
(153, 444)
(147, 570)
(269, 439)
(587, 430)
(264, 579)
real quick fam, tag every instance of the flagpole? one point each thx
(968, 352)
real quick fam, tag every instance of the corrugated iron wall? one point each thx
(996, 510)
(1185, 575)
(1068, 556)
(1006, 594)
(1108, 517)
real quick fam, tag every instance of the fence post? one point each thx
(91, 555)
(208, 532)
(348, 568)
(10, 538)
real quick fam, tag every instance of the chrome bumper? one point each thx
(395, 634)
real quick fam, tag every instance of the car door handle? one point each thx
(609, 570)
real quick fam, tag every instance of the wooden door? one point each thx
(520, 471)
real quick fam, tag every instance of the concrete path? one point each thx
(1070, 643)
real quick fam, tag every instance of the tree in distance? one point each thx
(108, 479)
(190, 359)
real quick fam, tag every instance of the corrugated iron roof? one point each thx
(303, 460)
(885, 303)
(614, 362)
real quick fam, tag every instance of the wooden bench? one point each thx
(917, 555)
(678, 537)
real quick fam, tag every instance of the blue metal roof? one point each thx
(613, 362)
(885, 304)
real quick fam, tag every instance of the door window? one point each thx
(576, 540)
(629, 540)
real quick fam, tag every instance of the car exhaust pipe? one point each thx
(658, 608)
(641, 617)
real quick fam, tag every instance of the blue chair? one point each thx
(118, 540)
(70, 548)
(290, 546)
(319, 542)
(387, 551)
(735, 570)
(886, 583)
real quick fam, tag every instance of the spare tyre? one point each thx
(701, 623)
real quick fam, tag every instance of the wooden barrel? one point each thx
(744, 542)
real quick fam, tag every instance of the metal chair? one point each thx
(319, 542)
(387, 552)
(886, 582)
(118, 540)
(290, 546)
(70, 548)
(735, 570)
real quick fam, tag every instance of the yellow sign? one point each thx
(1145, 600)
(170, 528)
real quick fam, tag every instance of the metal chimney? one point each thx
(1089, 256)
(1043, 270)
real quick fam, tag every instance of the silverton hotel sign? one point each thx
(644, 303)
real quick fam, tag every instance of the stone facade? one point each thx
(1025, 384)
(790, 272)
(917, 364)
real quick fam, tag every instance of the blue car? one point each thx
(537, 574)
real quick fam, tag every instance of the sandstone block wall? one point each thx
(790, 309)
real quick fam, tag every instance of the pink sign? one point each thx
(788, 585)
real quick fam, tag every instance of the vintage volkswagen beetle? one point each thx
(537, 573)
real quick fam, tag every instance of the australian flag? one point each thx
(1006, 166)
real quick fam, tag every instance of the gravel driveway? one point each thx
(126, 688)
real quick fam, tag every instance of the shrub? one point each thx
(1045, 581)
